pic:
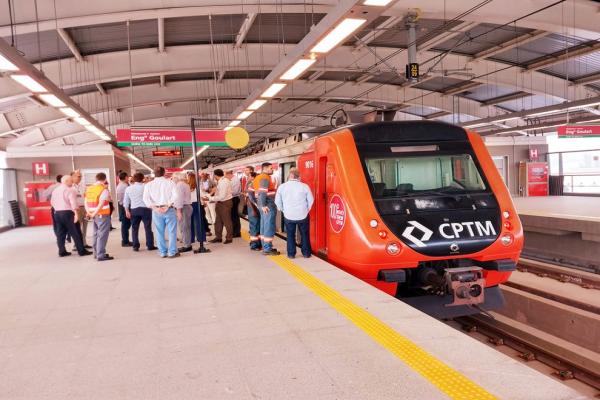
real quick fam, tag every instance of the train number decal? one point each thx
(337, 213)
(309, 164)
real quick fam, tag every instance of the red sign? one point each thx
(40, 168)
(337, 213)
(169, 137)
(578, 131)
(166, 153)
(170, 171)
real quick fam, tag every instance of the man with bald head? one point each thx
(64, 202)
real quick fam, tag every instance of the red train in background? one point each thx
(415, 208)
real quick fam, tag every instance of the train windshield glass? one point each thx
(424, 175)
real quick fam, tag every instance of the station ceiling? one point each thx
(158, 63)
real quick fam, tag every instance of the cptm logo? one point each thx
(454, 230)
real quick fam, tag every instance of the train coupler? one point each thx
(465, 284)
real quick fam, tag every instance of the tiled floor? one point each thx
(230, 324)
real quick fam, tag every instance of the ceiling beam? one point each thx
(161, 34)
(563, 55)
(518, 41)
(543, 125)
(436, 115)
(459, 88)
(584, 80)
(64, 35)
(244, 29)
(444, 36)
(377, 31)
(504, 98)
(101, 89)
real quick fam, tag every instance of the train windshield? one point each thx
(424, 175)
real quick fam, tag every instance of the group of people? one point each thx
(168, 205)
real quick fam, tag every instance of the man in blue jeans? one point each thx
(264, 189)
(253, 211)
(161, 195)
(294, 199)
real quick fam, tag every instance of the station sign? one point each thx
(412, 71)
(578, 131)
(40, 168)
(236, 138)
(166, 153)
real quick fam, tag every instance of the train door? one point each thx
(321, 203)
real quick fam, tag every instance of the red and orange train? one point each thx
(415, 208)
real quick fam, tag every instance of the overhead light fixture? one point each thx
(338, 34)
(298, 68)
(189, 160)
(6, 65)
(29, 83)
(377, 3)
(82, 121)
(244, 114)
(52, 100)
(256, 104)
(137, 160)
(235, 123)
(228, 128)
(69, 112)
(273, 89)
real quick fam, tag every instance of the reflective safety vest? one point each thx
(92, 198)
(264, 190)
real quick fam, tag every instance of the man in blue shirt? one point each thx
(137, 211)
(294, 199)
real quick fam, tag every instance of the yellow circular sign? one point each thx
(237, 138)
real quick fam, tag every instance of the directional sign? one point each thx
(236, 138)
(578, 131)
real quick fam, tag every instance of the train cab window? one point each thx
(408, 175)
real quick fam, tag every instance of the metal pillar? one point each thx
(201, 249)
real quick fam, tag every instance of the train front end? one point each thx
(430, 219)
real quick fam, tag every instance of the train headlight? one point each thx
(507, 225)
(382, 234)
(506, 214)
(507, 239)
(373, 223)
(393, 249)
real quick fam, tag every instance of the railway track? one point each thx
(584, 279)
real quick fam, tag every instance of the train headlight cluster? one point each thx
(506, 214)
(393, 249)
(507, 239)
(373, 223)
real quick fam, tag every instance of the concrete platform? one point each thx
(230, 324)
(566, 207)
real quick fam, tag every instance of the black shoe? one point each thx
(65, 254)
(215, 240)
(306, 256)
(256, 248)
(174, 255)
(237, 235)
(126, 245)
(87, 247)
(86, 253)
(272, 252)
(184, 249)
(228, 241)
(136, 249)
(152, 248)
(106, 258)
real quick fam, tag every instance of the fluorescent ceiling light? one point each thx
(189, 160)
(52, 100)
(297, 69)
(29, 83)
(244, 114)
(274, 89)
(69, 112)
(256, 104)
(235, 123)
(6, 65)
(228, 128)
(338, 34)
(82, 121)
(137, 160)
(379, 3)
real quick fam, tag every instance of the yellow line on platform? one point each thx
(451, 382)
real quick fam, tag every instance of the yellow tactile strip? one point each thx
(451, 382)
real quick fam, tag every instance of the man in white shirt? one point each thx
(125, 222)
(294, 199)
(184, 206)
(223, 204)
(80, 191)
(161, 195)
(236, 192)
